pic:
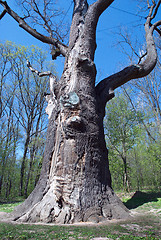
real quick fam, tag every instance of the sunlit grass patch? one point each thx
(114, 231)
(145, 226)
(8, 207)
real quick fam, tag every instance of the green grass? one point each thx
(8, 207)
(145, 201)
(146, 227)
(113, 231)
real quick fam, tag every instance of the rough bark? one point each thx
(75, 181)
(77, 163)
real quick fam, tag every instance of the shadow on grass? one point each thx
(9, 201)
(139, 198)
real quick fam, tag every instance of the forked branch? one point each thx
(105, 89)
(50, 40)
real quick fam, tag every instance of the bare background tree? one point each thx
(75, 165)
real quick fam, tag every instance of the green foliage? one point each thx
(122, 130)
(132, 151)
(121, 122)
(135, 157)
(23, 121)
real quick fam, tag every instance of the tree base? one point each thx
(50, 209)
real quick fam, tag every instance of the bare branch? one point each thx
(155, 25)
(52, 78)
(156, 9)
(101, 5)
(128, 41)
(95, 10)
(50, 40)
(48, 28)
(155, 28)
(142, 57)
(3, 13)
(91, 15)
(105, 89)
(148, 3)
(40, 74)
(149, 18)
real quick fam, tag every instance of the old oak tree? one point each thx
(75, 182)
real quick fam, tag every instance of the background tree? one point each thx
(145, 95)
(75, 165)
(23, 121)
(8, 123)
(121, 131)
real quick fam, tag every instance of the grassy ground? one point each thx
(144, 226)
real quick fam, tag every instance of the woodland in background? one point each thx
(132, 126)
(23, 120)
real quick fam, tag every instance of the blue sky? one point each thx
(109, 59)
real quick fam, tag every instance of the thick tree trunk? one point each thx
(77, 182)
(78, 186)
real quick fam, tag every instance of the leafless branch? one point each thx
(50, 40)
(101, 5)
(127, 40)
(52, 78)
(148, 3)
(3, 13)
(155, 25)
(105, 89)
(40, 74)
(156, 29)
(142, 57)
(156, 9)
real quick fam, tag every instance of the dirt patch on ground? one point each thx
(7, 218)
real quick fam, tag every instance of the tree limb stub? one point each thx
(40, 74)
(62, 47)
(50, 98)
(52, 78)
(109, 84)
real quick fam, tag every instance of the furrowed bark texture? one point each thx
(75, 182)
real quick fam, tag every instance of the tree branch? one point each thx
(50, 40)
(3, 13)
(156, 9)
(95, 10)
(155, 25)
(140, 58)
(52, 78)
(40, 74)
(105, 89)
(101, 5)
(91, 17)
